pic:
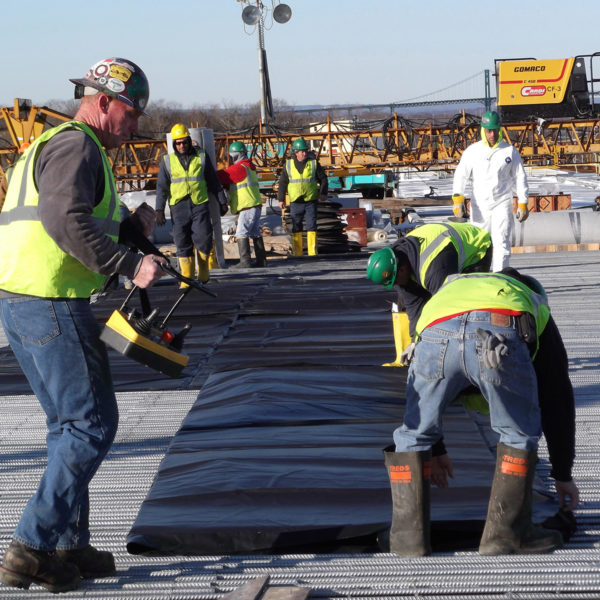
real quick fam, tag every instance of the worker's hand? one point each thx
(323, 198)
(150, 271)
(493, 348)
(144, 218)
(522, 212)
(282, 207)
(441, 469)
(160, 218)
(407, 356)
(223, 208)
(568, 494)
(458, 206)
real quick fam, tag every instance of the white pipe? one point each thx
(558, 227)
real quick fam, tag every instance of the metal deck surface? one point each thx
(150, 417)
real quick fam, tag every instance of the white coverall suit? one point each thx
(494, 173)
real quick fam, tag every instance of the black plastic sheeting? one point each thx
(282, 450)
(283, 458)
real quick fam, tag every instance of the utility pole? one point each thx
(254, 13)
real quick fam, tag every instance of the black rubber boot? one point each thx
(244, 249)
(409, 474)
(259, 252)
(23, 566)
(508, 527)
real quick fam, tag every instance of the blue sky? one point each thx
(198, 52)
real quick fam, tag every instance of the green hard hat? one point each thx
(237, 147)
(382, 267)
(300, 144)
(491, 120)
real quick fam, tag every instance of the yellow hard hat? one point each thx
(179, 131)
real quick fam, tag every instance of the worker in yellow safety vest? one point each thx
(305, 183)
(185, 178)
(61, 235)
(245, 201)
(482, 329)
(417, 265)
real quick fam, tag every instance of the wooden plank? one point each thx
(286, 593)
(252, 590)
(555, 248)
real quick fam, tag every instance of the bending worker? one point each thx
(417, 265)
(245, 201)
(416, 253)
(478, 328)
(185, 179)
(305, 183)
(495, 170)
(61, 231)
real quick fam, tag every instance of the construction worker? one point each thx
(305, 183)
(185, 179)
(495, 171)
(480, 328)
(60, 226)
(428, 252)
(418, 264)
(245, 201)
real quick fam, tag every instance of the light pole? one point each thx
(254, 13)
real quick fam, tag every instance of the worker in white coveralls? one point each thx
(495, 171)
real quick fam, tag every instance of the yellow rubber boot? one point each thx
(203, 270)
(212, 259)
(311, 243)
(187, 269)
(401, 337)
(297, 243)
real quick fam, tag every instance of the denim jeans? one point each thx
(448, 359)
(248, 222)
(58, 347)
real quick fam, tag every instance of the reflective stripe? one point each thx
(184, 179)
(434, 245)
(311, 179)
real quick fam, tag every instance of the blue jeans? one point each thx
(248, 224)
(58, 347)
(447, 359)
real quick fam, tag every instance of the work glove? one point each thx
(522, 212)
(407, 356)
(223, 209)
(160, 218)
(493, 348)
(458, 206)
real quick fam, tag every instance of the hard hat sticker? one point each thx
(115, 85)
(120, 72)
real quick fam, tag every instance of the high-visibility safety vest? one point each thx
(302, 184)
(31, 262)
(245, 193)
(484, 291)
(471, 244)
(190, 182)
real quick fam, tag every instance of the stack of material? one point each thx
(331, 237)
